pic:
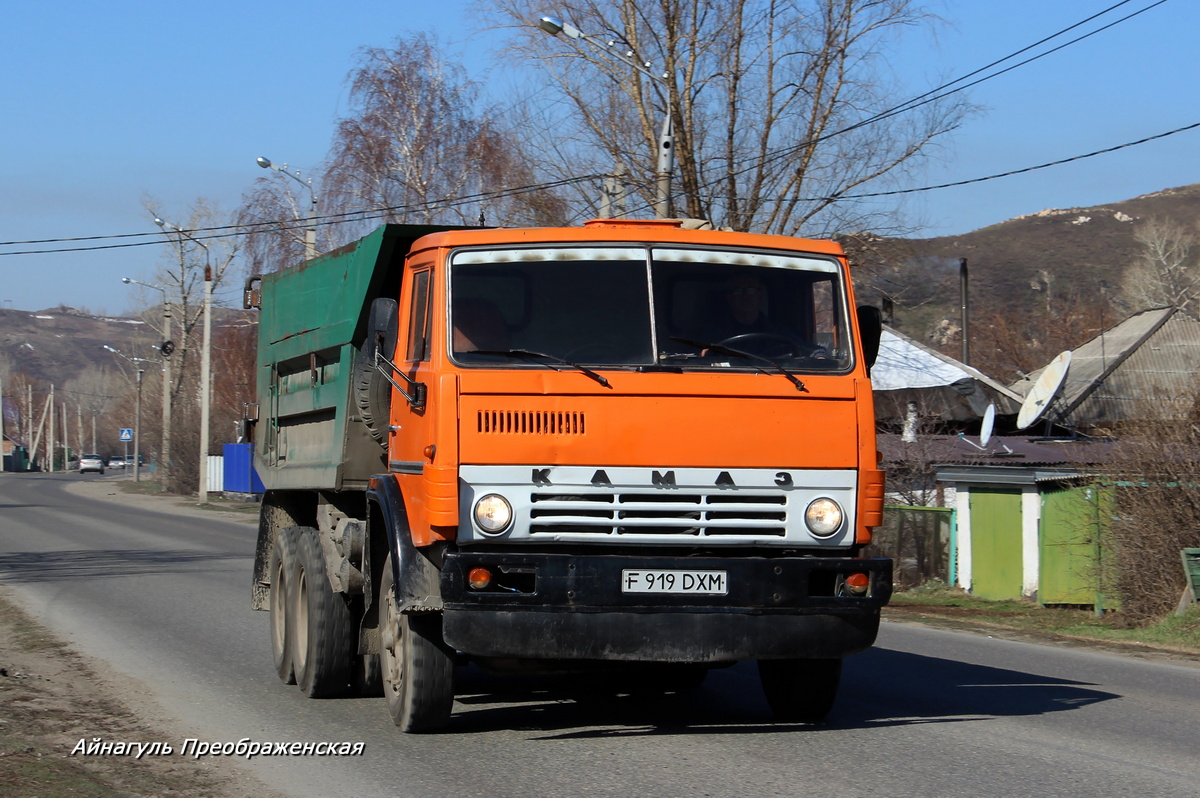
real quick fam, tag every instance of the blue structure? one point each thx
(240, 476)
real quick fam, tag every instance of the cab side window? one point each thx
(419, 320)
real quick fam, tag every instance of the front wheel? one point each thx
(800, 689)
(417, 668)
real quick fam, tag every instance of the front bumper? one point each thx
(560, 606)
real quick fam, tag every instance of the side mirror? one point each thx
(870, 328)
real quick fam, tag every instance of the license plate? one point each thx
(713, 583)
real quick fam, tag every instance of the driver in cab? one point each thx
(746, 300)
(747, 324)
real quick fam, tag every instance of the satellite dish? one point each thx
(989, 423)
(1038, 400)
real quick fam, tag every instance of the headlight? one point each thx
(823, 517)
(493, 514)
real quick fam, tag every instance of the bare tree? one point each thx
(94, 391)
(1167, 271)
(1010, 342)
(1157, 479)
(417, 149)
(234, 365)
(771, 101)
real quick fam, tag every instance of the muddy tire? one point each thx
(280, 565)
(801, 690)
(321, 650)
(417, 668)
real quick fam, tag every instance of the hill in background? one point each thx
(1055, 277)
(59, 344)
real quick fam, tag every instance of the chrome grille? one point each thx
(684, 513)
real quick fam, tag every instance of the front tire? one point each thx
(282, 562)
(801, 690)
(321, 652)
(417, 668)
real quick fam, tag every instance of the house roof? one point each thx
(908, 371)
(1009, 451)
(1153, 355)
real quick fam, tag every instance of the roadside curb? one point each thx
(111, 489)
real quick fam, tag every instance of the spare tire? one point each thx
(372, 391)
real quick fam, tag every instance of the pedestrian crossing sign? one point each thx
(126, 434)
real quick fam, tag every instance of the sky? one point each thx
(106, 106)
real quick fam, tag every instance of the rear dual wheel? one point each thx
(321, 648)
(416, 666)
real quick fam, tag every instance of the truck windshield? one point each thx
(641, 307)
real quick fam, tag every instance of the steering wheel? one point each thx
(774, 344)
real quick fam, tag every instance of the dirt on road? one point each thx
(53, 699)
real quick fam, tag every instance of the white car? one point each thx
(91, 462)
(116, 462)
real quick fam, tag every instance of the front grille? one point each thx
(695, 514)
(530, 422)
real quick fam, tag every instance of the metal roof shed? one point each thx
(1153, 355)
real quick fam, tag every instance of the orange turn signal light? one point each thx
(479, 578)
(858, 583)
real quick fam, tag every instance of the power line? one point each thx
(238, 229)
(227, 231)
(1010, 173)
(944, 90)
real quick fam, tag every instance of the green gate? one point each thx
(996, 562)
(1072, 551)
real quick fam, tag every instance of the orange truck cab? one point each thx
(625, 445)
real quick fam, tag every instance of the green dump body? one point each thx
(312, 324)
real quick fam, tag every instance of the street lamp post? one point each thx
(665, 161)
(310, 227)
(165, 349)
(137, 423)
(205, 356)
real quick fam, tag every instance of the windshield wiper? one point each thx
(728, 350)
(553, 359)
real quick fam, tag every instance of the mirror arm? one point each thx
(418, 391)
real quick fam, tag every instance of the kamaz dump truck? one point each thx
(566, 450)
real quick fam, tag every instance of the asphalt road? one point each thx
(163, 598)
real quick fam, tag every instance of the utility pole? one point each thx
(50, 440)
(137, 432)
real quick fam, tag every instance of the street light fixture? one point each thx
(137, 425)
(665, 166)
(205, 356)
(165, 349)
(310, 227)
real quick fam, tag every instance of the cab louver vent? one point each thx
(506, 422)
